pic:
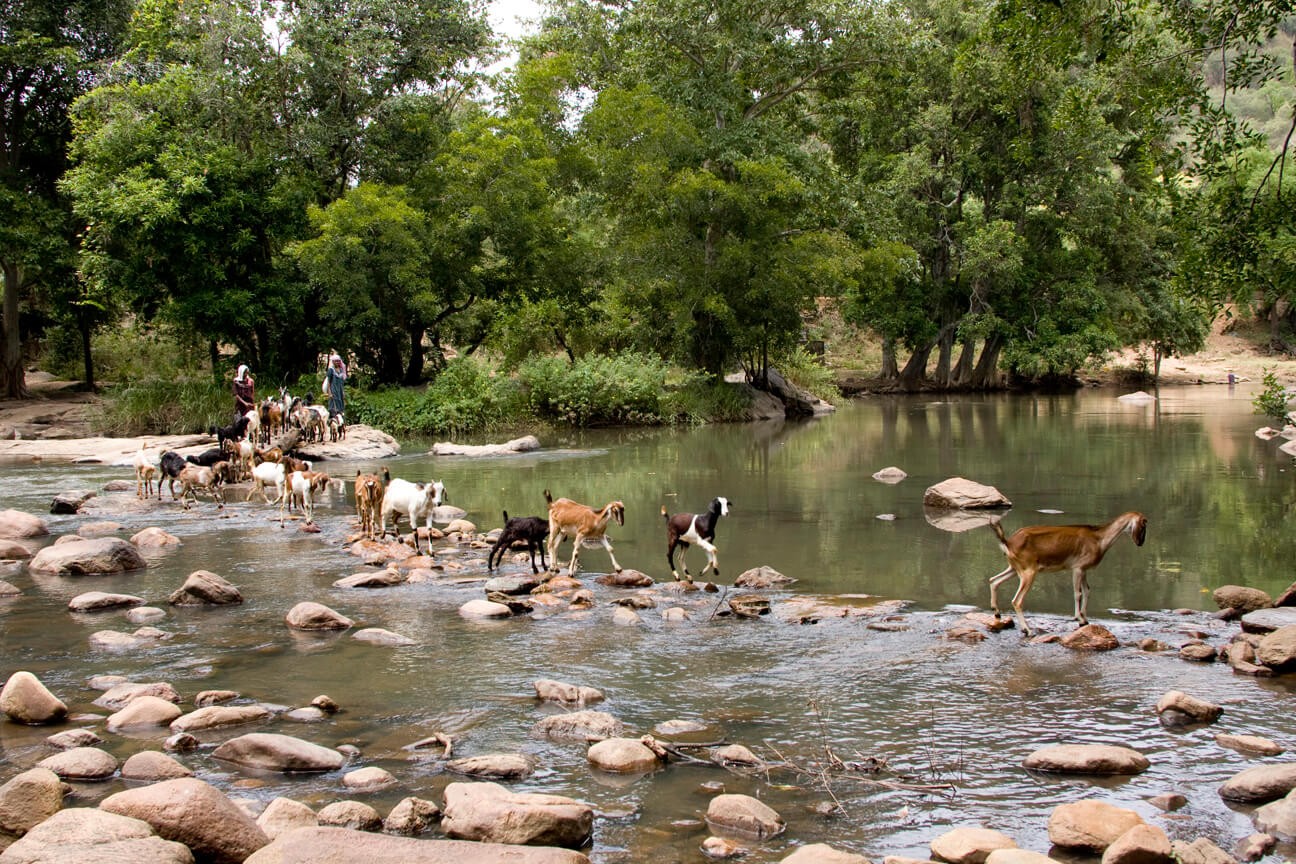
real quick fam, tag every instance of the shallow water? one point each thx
(937, 711)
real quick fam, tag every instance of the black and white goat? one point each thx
(531, 530)
(171, 463)
(684, 529)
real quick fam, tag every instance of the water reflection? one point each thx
(804, 502)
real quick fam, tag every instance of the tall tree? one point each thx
(49, 53)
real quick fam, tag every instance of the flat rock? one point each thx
(1194, 709)
(216, 716)
(71, 501)
(353, 815)
(822, 853)
(1260, 784)
(744, 815)
(120, 695)
(489, 813)
(1268, 620)
(337, 845)
(969, 845)
(373, 579)
(367, 779)
(88, 558)
(197, 814)
(493, 766)
(579, 726)
(889, 475)
(566, 694)
(99, 529)
(316, 616)
(1091, 825)
(1091, 637)
(1095, 759)
(204, 588)
(762, 577)
(1018, 856)
(622, 756)
(83, 834)
(81, 763)
(24, 699)
(517, 586)
(283, 753)
(28, 799)
(92, 601)
(154, 538)
(480, 608)
(1278, 817)
(958, 493)
(1253, 745)
(379, 636)
(69, 738)
(525, 444)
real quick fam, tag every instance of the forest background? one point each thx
(993, 192)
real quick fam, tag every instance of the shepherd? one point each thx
(334, 379)
(244, 392)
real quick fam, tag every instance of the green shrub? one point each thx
(125, 354)
(597, 390)
(805, 371)
(468, 396)
(157, 407)
(1273, 399)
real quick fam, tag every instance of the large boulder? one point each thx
(579, 726)
(143, 712)
(1177, 708)
(88, 558)
(1142, 844)
(1277, 650)
(83, 834)
(958, 493)
(1091, 825)
(1241, 598)
(969, 845)
(204, 588)
(81, 763)
(622, 756)
(340, 846)
(489, 813)
(284, 753)
(24, 699)
(17, 525)
(743, 814)
(1276, 817)
(1098, 759)
(28, 800)
(215, 716)
(316, 616)
(93, 601)
(1268, 620)
(194, 813)
(1260, 784)
(71, 501)
(151, 766)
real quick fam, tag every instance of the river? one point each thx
(1219, 504)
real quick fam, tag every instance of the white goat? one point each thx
(305, 485)
(267, 474)
(146, 468)
(415, 501)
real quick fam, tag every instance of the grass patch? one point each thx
(156, 407)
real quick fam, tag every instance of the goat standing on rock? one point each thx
(1047, 548)
(531, 530)
(683, 529)
(578, 523)
(415, 501)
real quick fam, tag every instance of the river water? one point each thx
(1218, 500)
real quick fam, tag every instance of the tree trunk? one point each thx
(86, 328)
(13, 382)
(1156, 362)
(911, 377)
(946, 342)
(213, 355)
(984, 376)
(414, 372)
(890, 368)
(962, 373)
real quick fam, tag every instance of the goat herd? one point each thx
(380, 499)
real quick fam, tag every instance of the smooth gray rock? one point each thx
(284, 753)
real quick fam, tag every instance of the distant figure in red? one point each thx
(244, 392)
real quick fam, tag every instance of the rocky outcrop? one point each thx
(83, 834)
(284, 753)
(525, 444)
(204, 588)
(489, 813)
(88, 558)
(194, 813)
(24, 699)
(958, 493)
(338, 845)
(744, 815)
(1097, 759)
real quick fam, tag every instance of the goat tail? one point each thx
(386, 475)
(548, 498)
(505, 517)
(665, 515)
(999, 532)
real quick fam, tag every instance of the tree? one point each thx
(48, 55)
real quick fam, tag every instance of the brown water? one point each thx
(1219, 503)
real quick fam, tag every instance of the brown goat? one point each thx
(1047, 548)
(579, 523)
(369, 489)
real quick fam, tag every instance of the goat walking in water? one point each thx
(579, 523)
(1047, 548)
(531, 530)
(683, 529)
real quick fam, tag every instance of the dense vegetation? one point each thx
(986, 186)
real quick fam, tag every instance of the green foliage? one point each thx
(809, 373)
(468, 396)
(1273, 398)
(165, 407)
(596, 390)
(125, 355)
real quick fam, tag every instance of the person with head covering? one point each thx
(334, 378)
(244, 392)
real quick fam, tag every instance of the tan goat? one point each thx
(369, 489)
(579, 523)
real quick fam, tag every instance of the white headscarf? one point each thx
(241, 376)
(341, 373)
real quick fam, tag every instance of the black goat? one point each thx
(171, 463)
(233, 432)
(208, 457)
(531, 530)
(685, 528)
